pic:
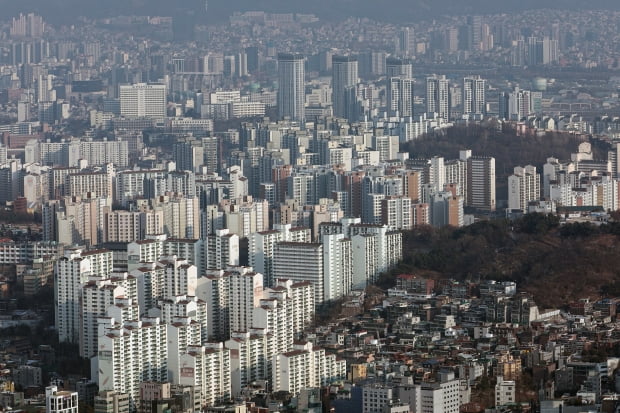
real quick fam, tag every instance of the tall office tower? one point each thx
(142, 100)
(400, 97)
(480, 192)
(523, 187)
(291, 86)
(301, 262)
(344, 75)
(252, 56)
(71, 273)
(60, 401)
(474, 101)
(130, 353)
(438, 97)
(337, 266)
(405, 42)
(475, 26)
(395, 67)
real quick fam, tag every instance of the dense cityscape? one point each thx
(280, 212)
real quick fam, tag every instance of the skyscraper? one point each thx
(474, 101)
(344, 75)
(291, 78)
(438, 96)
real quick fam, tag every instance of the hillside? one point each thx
(556, 264)
(506, 146)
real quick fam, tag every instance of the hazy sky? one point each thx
(389, 10)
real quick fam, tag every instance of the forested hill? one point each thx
(557, 264)
(508, 149)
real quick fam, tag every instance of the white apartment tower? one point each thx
(180, 278)
(220, 250)
(523, 187)
(305, 367)
(248, 358)
(400, 96)
(71, 273)
(337, 266)
(231, 296)
(207, 368)
(438, 97)
(474, 98)
(131, 353)
(97, 297)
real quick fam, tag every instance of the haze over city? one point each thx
(329, 206)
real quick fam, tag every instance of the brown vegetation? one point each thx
(556, 264)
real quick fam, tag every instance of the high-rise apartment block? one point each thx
(438, 97)
(523, 187)
(474, 96)
(480, 181)
(142, 100)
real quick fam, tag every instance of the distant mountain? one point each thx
(388, 10)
